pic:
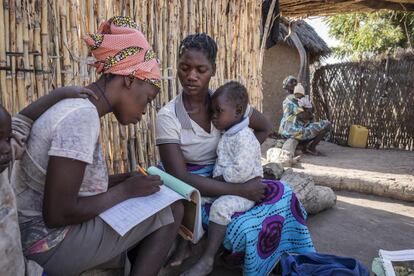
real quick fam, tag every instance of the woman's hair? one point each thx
(200, 42)
(108, 77)
(234, 92)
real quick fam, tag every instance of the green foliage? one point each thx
(368, 34)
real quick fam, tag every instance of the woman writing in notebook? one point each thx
(62, 183)
(187, 142)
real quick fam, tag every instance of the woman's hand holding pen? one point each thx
(142, 184)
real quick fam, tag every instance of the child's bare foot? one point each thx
(203, 267)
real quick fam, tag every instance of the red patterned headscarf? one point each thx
(121, 49)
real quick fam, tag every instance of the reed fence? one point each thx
(376, 94)
(41, 48)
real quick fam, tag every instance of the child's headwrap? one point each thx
(121, 49)
(299, 89)
(287, 80)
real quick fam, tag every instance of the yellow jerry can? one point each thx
(358, 136)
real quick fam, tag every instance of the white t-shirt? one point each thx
(174, 126)
(69, 129)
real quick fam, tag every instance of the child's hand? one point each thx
(74, 92)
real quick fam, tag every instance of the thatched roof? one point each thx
(301, 8)
(313, 43)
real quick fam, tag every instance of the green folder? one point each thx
(191, 227)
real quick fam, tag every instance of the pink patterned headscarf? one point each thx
(121, 49)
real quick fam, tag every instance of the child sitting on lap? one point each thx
(305, 116)
(239, 160)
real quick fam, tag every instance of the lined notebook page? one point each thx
(127, 214)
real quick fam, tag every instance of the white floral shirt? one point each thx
(238, 154)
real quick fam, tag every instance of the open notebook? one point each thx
(398, 263)
(125, 215)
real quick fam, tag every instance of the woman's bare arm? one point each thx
(261, 125)
(173, 162)
(38, 107)
(63, 206)
(305, 115)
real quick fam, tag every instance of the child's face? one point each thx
(224, 113)
(5, 134)
(298, 96)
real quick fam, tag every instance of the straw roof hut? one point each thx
(283, 59)
(313, 43)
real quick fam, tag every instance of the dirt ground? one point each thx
(390, 163)
(360, 224)
(388, 173)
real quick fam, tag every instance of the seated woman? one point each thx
(13, 134)
(62, 183)
(292, 124)
(188, 141)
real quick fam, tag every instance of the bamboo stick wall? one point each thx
(41, 48)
